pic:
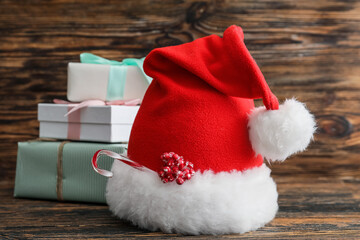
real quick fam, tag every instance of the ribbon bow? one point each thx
(117, 75)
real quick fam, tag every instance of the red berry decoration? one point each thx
(167, 169)
(161, 173)
(175, 168)
(180, 180)
(171, 178)
(170, 163)
(187, 176)
(180, 174)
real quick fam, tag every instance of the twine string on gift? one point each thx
(117, 74)
(115, 156)
(59, 175)
(59, 164)
(43, 139)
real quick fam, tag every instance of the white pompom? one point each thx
(277, 134)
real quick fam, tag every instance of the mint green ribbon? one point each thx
(117, 75)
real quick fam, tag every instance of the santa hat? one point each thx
(201, 142)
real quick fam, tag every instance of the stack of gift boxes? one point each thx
(103, 100)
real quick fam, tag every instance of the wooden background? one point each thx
(305, 48)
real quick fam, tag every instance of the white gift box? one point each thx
(90, 81)
(111, 123)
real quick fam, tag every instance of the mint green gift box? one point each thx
(61, 171)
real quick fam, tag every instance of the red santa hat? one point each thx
(197, 127)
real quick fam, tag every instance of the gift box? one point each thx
(61, 171)
(103, 79)
(110, 123)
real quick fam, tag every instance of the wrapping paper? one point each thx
(40, 174)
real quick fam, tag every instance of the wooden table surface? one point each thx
(305, 48)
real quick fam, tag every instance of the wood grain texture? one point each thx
(308, 49)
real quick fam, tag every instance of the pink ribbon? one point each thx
(74, 125)
(74, 115)
(115, 156)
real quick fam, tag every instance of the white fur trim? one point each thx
(209, 203)
(277, 134)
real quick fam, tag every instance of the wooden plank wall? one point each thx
(307, 49)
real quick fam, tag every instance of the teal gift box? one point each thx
(61, 171)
